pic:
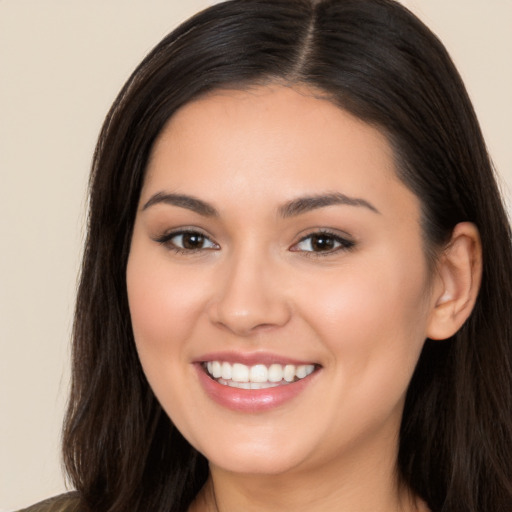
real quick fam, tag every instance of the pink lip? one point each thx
(251, 400)
(249, 358)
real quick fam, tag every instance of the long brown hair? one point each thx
(376, 60)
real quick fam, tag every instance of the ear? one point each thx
(458, 277)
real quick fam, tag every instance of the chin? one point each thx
(254, 458)
(254, 464)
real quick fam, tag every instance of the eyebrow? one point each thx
(308, 203)
(183, 201)
(289, 209)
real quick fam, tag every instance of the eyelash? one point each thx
(344, 244)
(166, 240)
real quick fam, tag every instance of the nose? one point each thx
(251, 296)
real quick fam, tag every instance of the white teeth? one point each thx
(263, 385)
(289, 373)
(275, 373)
(301, 371)
(258, 373)
(258, 376)
(226, 371)
(247, 385)
(216, 369)
(239, 372)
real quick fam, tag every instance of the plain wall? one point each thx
(61, 65)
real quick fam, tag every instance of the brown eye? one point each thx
(323, 242)
(185, 241)
(191, 241)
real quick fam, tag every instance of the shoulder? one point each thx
(68, 502)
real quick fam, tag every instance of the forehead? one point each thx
(271, 142)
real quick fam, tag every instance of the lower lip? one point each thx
(251, 400)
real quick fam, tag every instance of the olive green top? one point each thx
(68, 502)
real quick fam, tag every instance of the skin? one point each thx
(360, 313)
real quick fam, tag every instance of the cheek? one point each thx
(164, 306)
(163, 302)
(374, 329)
(372, 318)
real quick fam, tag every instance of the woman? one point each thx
(296, 287)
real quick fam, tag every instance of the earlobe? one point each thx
(459, 273)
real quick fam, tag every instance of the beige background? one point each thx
(61, 65)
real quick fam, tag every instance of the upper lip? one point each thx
(251, 358)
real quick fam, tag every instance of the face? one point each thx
(278, 288)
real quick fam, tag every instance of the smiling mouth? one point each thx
(258, 376)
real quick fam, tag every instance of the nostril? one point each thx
(246, 322)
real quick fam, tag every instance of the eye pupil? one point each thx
(322, 242)
(192, 241)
